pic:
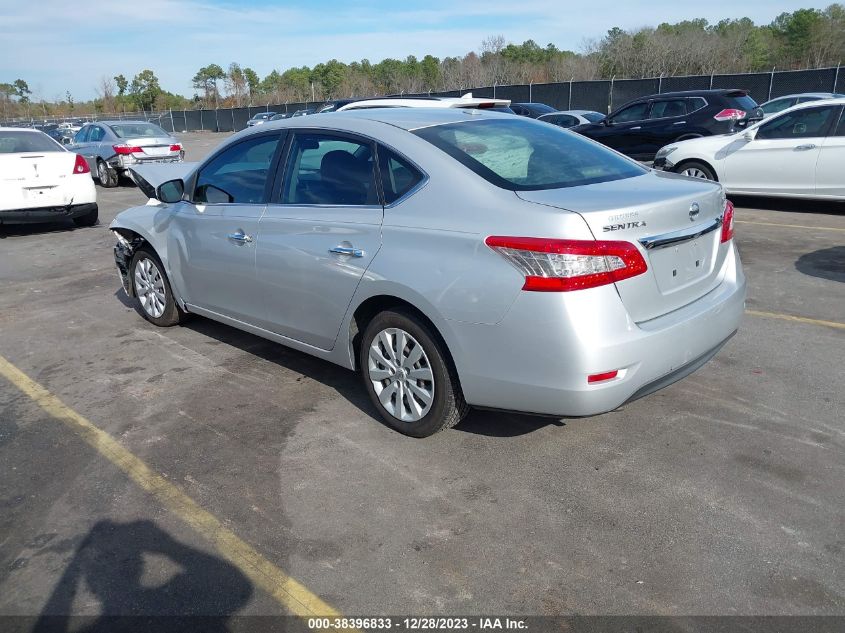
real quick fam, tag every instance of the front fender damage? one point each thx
(124, 249)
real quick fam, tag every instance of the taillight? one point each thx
(728, 222)
(126, 149)
(551, 265)
(80, 166)
(728, 114)
(176, 147)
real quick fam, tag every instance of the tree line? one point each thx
(805, 38)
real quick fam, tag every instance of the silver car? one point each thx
(455, 258)
(112, 147)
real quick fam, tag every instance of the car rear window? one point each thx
(745, 103)
(137, 130)
(14, 142)
(593, 117)
(525, 155)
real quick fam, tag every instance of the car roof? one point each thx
(822, 95)
(403, 118)
(424, 102)
(571, 112)
(20, 129)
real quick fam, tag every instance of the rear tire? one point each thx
(156, 302)
(89, 219)
(409, 376)
(695, 169)
(106, 175)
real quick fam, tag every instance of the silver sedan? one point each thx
(112, 147)
(455, 258)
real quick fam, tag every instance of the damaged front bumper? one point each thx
(123, 252)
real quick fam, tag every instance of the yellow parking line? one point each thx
(792, 226)
(290, 593)
(789, 317)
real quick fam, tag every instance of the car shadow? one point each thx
(137, 572)
(793, 205)
(348, 383)
(38, 228)
(827, 263)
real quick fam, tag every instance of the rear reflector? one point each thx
(126, 149)
(80, 166)
(551, 265)
(728, 114)
(728, 222)
(602, 377)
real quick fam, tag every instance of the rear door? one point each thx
(666, 122)
(318, 235)
(212, 238)
(783, 154)
(830, 167)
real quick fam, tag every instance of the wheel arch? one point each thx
(374, 304)
(680, 165)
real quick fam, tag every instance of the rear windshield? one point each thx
(14, 142)
(593, 117)
(524, 154)
(745, 103)
(137, 130)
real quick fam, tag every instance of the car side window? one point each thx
(97, 134)
(398, 176)
(840, 128)
(238, 174)
(329, 169)
(636, 112)
(668, 108)
(82, 135)
(806, 123)
(695, 103)
(777, 105)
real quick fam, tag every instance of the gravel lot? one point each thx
(722, 494)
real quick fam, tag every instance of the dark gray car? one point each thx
(111, 147)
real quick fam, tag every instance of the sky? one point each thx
(59, 46)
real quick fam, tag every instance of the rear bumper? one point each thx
(46, 214)
(538, 357)
(122, 163)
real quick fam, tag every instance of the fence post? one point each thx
(172, 125)
(569, 105)
(232, 110)
(771, 81)
(711, 81)
(202, 123)
(835, 79)
(216, 120)
(660, 84)
(531, 92)
(610, 95)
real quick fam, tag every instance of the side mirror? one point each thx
(170, 191)
(749, 135)
(607, 122)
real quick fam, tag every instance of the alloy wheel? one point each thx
(694, 172)
(401, 374)
(149, 287)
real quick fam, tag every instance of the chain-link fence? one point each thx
(601, 96)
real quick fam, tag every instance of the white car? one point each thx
(571, 118)
(40, 181)
(773, 106)
(466, 101)
(797, 153)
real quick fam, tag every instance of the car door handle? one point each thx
(802, 148)
(241, 238)
(347, 250)
(679, 123)
(639, 127)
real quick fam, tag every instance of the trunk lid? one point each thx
(655, 212)
(153, 147)
(34, 179)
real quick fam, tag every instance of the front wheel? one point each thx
(695, 169)
(152, 289)
(408, 375)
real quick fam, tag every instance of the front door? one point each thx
(783, 154)
(318, 235)
(622, 130)
(213, 237)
